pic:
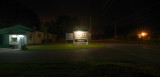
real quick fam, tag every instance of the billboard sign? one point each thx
(69, 36)
(80, 37)
(80, 34)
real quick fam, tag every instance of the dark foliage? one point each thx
(15, 13)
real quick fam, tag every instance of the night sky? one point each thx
(49, 10)
(104, 13)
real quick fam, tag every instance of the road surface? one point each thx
(125, 53)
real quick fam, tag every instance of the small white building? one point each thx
(19, 35)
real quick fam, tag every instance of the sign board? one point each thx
(69, 36)
(80, 38)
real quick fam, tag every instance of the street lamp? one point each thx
(143, 34)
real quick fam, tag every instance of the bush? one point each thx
(24, 47)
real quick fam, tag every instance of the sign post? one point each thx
(80, 38)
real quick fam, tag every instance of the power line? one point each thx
(106, 4)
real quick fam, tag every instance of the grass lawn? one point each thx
(79, 69)
(63, 46)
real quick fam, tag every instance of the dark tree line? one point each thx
(62, 25)
(15, 13)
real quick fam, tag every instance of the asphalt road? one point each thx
(126, 53)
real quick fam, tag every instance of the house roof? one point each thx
(18, 29)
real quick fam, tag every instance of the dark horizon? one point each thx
(114, 11)
(127, 15)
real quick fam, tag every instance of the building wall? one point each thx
(30, 37)
(1, 39)
(6, 40)
(38, 37)
(51, 37)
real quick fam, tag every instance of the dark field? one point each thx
(79, 69)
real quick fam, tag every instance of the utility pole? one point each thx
(115, 31)
(90, 27)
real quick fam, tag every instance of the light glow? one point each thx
(80, 38)
(20, 35)
(14, 36)
(143, 34)
(80, 35)
(79, 32)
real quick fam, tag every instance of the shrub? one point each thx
(24, 47)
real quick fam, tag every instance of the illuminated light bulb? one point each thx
(143, 34)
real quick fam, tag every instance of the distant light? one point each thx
(143, 34)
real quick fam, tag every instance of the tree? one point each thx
(65, 24)
(44, 29)
(14, 13)
(52, 27)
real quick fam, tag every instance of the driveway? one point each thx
(6, 50)
(126, 53)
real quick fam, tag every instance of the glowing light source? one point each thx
(143, 34)
(14, 36)
(80, 38)
(20, 35)
(79, 32)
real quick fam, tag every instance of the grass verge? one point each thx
(63, 46)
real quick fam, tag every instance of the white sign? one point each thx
(69, 36)
(80, 35)
(80, 38)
